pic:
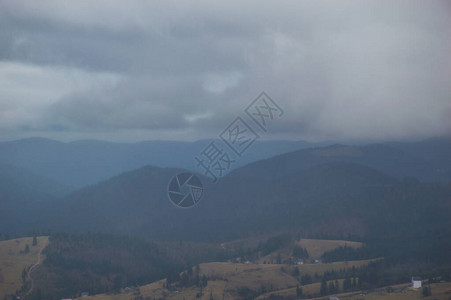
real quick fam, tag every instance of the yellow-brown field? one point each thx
(13, 260)
(316, 248)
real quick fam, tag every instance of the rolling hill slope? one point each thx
(393, 161)
(21, 194)
(81, 163)
(334, 199)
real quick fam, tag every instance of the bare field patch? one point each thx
(316, 248)
(13, 260)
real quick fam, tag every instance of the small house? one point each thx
(416, 282)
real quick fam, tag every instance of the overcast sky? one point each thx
(183, 70)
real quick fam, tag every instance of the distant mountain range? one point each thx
(426, 160)
(333, 191)
(81, 163)
(337, 199)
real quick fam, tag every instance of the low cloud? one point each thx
(184, 70)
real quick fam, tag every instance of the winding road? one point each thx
(37, 263)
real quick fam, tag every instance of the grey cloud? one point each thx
(348, 70)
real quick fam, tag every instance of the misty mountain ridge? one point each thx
(22, 193)
(395, 161)
(85, 162)
(340, 199)
(14, 179)
(311, 189)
